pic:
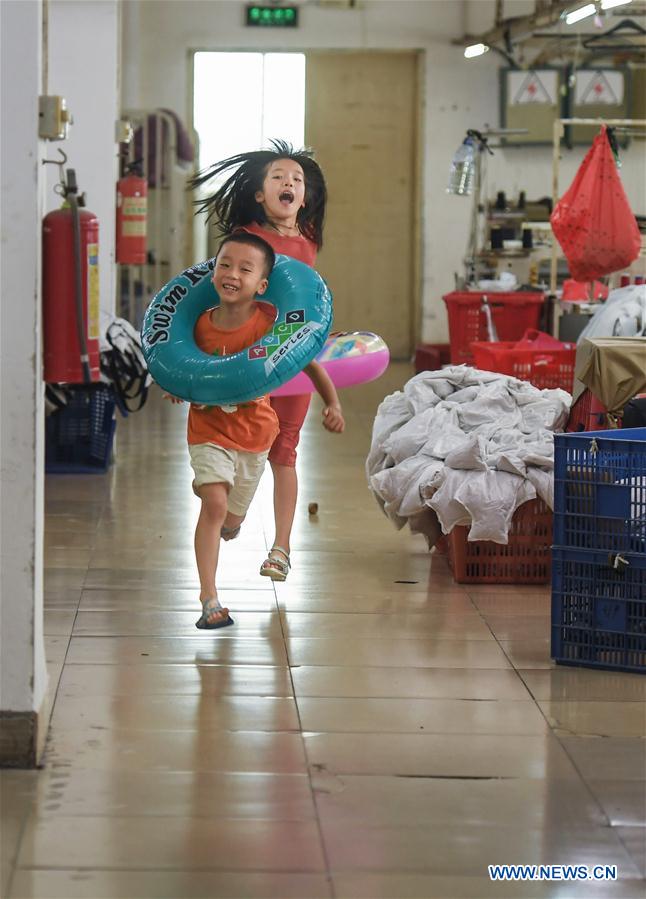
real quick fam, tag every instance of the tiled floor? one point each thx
(369, 729)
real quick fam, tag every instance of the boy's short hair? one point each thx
(252, 240)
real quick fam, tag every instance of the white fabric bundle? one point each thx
(622, 315)
(470, 445)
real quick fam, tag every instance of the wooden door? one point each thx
(361, 114)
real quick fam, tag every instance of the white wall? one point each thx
(479, 15)
(21, 389)
(84, 51)
(458, 93)
(157, 35)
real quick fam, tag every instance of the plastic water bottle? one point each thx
(463, 167)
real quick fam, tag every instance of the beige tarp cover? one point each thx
(614, 368)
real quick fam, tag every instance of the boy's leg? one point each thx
(207, 542)
(214, 469)
(231, 526)
(249, 469)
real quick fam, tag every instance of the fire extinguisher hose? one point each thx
(78, 286)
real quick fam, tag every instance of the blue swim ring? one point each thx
(304, 316)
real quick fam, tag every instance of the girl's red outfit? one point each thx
(291, 410)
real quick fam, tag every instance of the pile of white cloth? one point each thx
(462, 446)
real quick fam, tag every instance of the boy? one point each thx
(228, 449)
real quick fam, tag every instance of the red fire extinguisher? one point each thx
(71, 290)
(132, 201)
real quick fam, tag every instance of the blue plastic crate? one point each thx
(78, 437)
(599, 609)
(600, 490)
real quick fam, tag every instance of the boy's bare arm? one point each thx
(173, 399)
(332, 414)
(176, 399)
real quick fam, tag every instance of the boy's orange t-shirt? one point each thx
(253, 426)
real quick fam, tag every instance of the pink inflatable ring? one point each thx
(349, 358)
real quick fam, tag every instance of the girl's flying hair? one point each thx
(234, 204)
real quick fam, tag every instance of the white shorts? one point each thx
(241, 471)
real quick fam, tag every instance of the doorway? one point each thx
(241, 101)
(359, 110)
(361, 117)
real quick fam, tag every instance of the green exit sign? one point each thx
(272, 16)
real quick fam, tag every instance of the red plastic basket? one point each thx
(512, 314)
(587, 414)
(525, 559)
(542, 368)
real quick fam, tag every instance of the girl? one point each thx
(278, 194)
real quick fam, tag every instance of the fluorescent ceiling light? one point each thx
(582, 13)
(610, 4)
(475, 50)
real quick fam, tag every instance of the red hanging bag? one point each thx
(593, 220)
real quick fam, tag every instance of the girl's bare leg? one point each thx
(285, 496)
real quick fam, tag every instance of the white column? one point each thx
(23, 671)
(84, 65)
